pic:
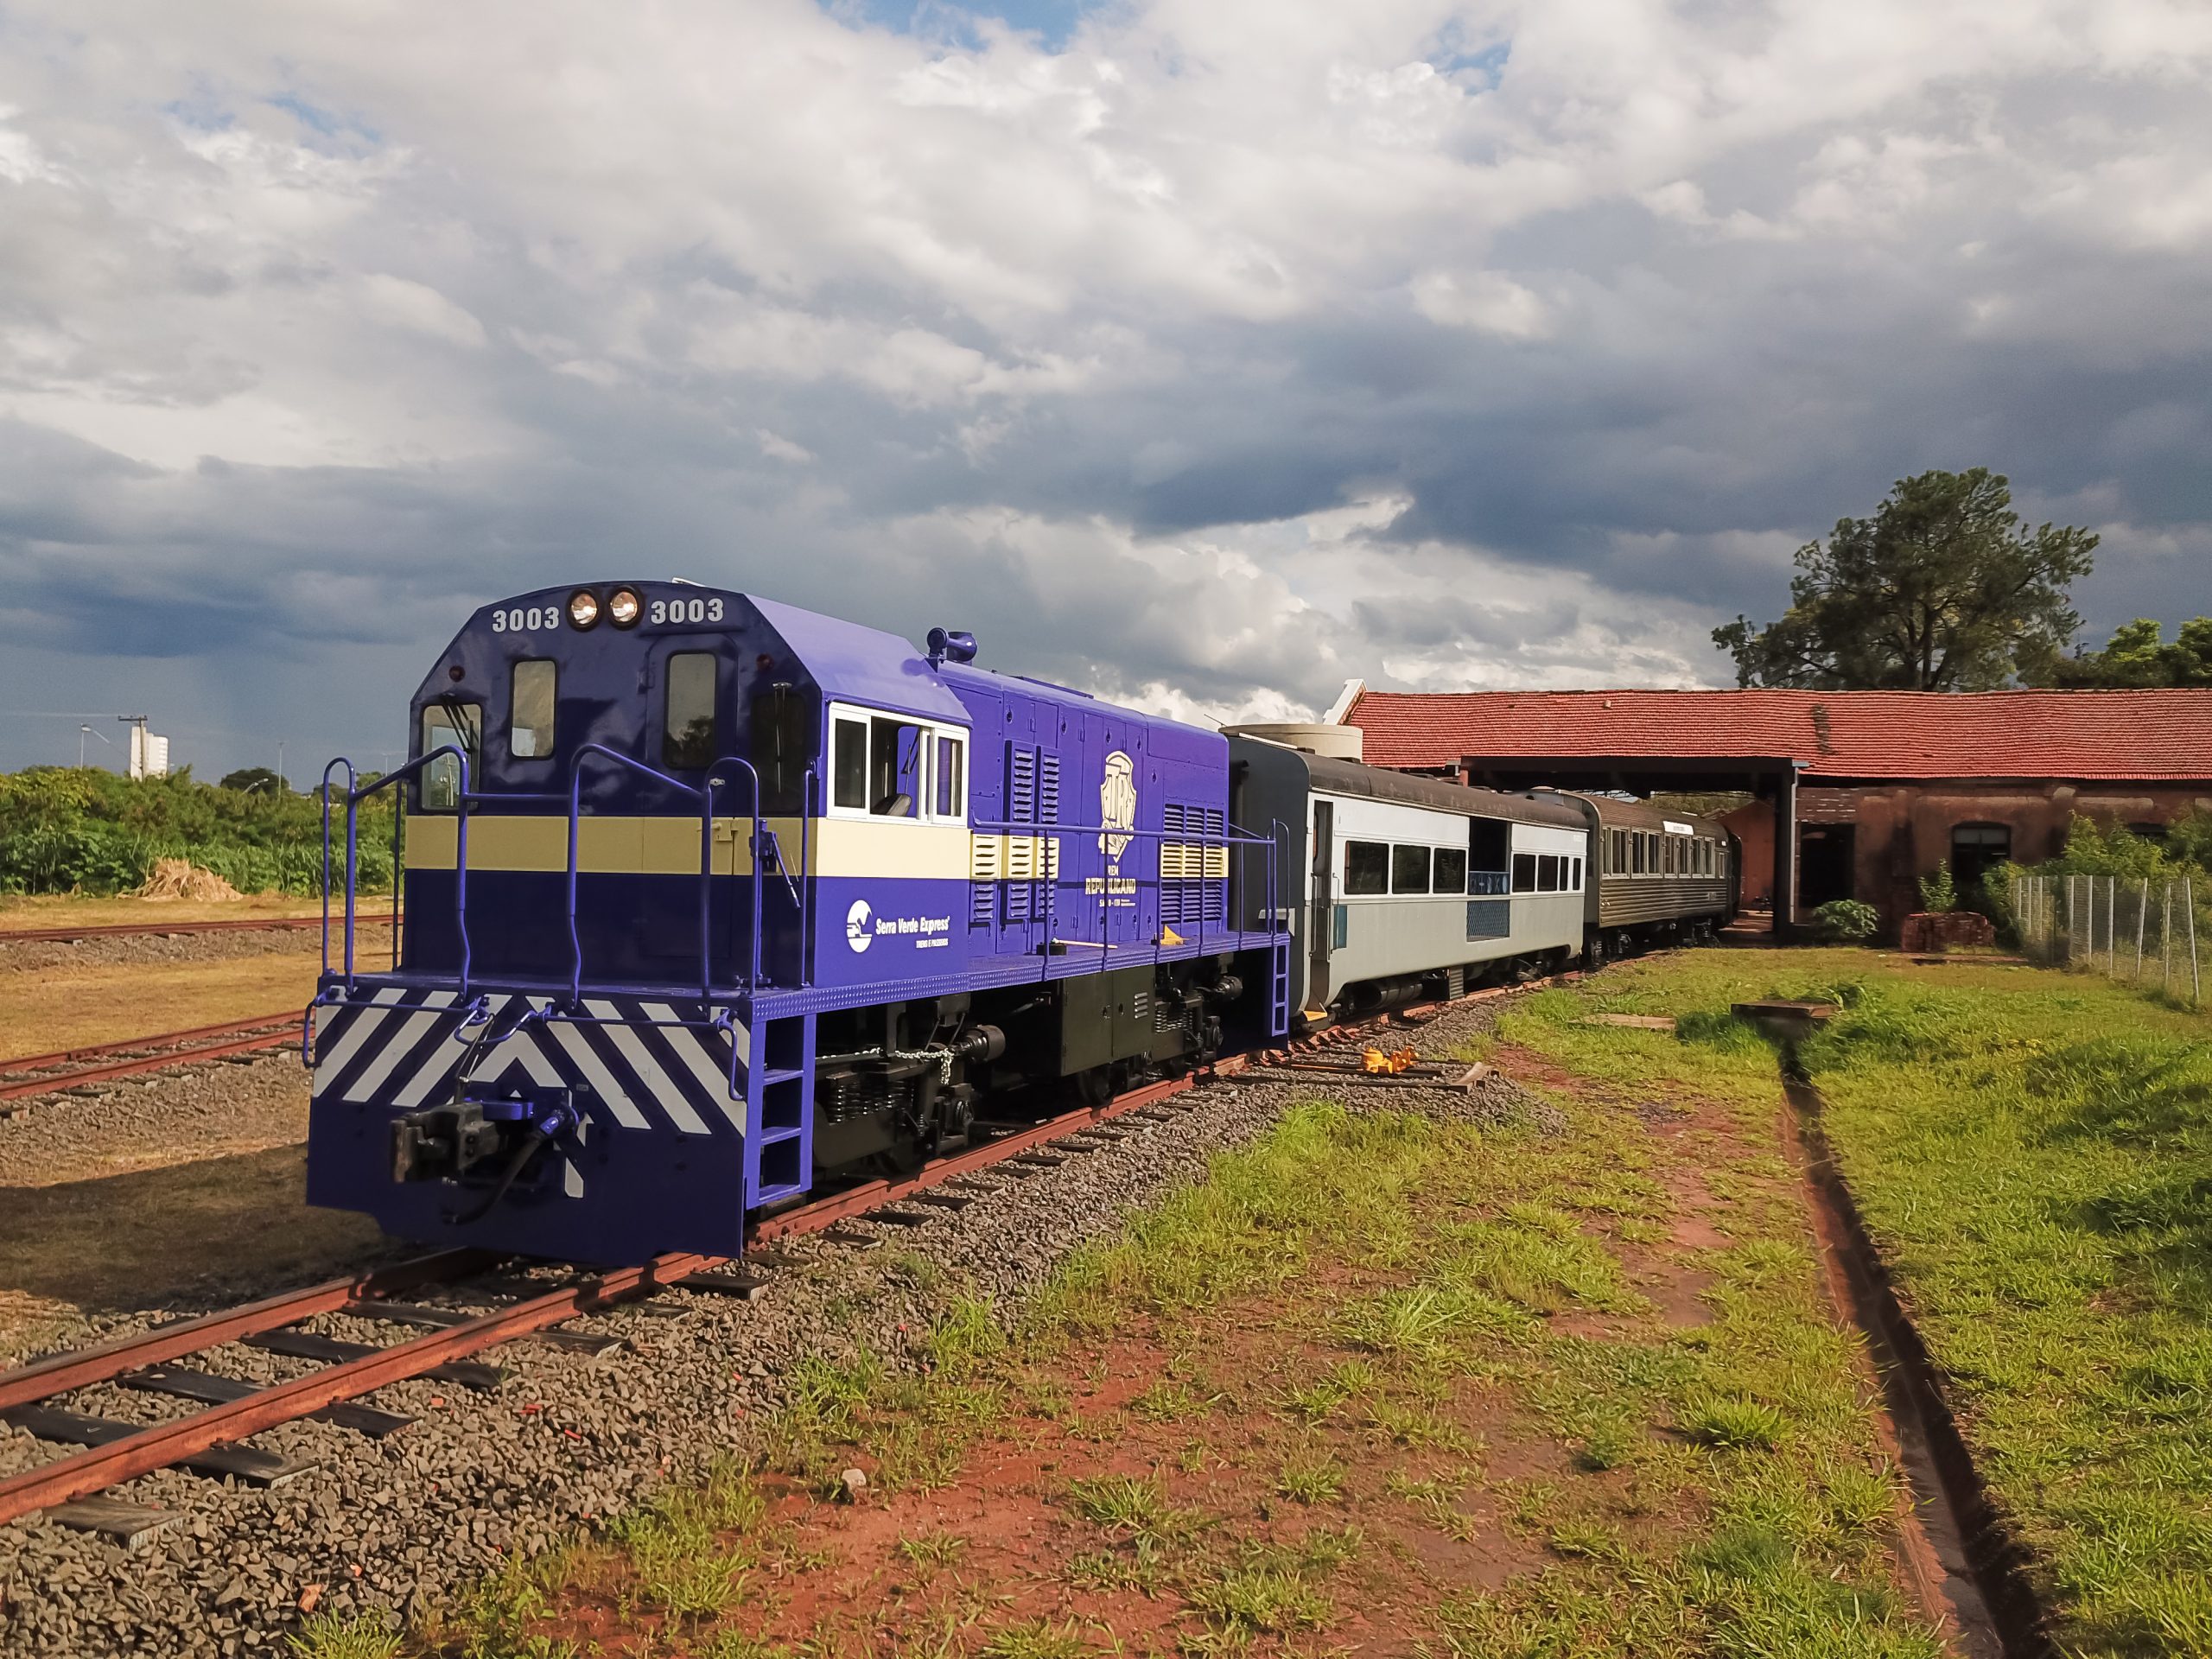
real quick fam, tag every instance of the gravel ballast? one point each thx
(208, 1108)
(145, 950)
(390, 1526)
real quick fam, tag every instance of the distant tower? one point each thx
(149, 755)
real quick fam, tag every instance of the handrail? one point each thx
(576, 810)
(354, 800)
(351, 778)
(707, 856)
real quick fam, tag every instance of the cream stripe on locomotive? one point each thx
(369, 1057)
(670, 846)
(834, 847)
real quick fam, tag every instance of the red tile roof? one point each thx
(2060, 734)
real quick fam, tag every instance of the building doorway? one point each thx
(1825, 863)
(1977, 848)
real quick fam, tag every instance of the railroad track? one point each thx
(124, 930)
(69, 1489)
(46, 1074)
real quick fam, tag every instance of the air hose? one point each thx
(540, 1134)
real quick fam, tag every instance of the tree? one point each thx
(253, 778)
(1943, 589)
(2137, 654)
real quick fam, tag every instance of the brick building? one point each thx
(1870, 789)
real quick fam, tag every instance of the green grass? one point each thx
(2032, 1151)
(332, 1635)
(1417, 1269)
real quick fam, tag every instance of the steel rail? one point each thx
(161, 1039)
(58, 1080)
(96, 1470)
(83, 1367)
(123, 929)
(100, 1468)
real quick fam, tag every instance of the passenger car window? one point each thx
(457, 724)
(894, 768)
(947, 781)
(1451, 870)
(1367, 867)
(1547, 873)
(1409, 869)
(849, 763)
(1524, 872)
(530, 703)
(688, 731)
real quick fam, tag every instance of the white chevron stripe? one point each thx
(443, 1058)
(693, 1053)
(666, 1092)
(588, 1061)
(329, 1065)
(410, 1033)
(525, 1048)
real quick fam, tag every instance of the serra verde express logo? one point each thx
(863, 927)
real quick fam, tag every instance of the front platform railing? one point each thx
(750, 974)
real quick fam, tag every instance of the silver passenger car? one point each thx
(1402, 887)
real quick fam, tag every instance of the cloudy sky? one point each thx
(1203, 351)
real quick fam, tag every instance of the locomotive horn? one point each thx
(948, 644)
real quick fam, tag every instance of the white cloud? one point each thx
(1605, 301)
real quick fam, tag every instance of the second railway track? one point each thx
(142, 930)
(75, 1068)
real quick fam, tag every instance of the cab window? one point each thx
(530, 703)
(894, 768)
(849, 764)
(785, 720)
(688, 732)
(946, 781)
(454, 725)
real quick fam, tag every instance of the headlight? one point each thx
(583, 609)
(623, 609)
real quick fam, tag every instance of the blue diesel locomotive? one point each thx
(704, 894)
(706, 900)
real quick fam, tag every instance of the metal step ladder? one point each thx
(779, 1110)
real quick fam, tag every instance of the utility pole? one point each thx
(280, 783)
(82, 733)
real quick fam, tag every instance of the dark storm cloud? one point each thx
(1200, 351)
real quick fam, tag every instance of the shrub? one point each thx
(73, 827)
(1846, 920)
(1939, 893)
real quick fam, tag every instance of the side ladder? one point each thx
(779, 1110)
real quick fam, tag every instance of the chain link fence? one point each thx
(2143, 930)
